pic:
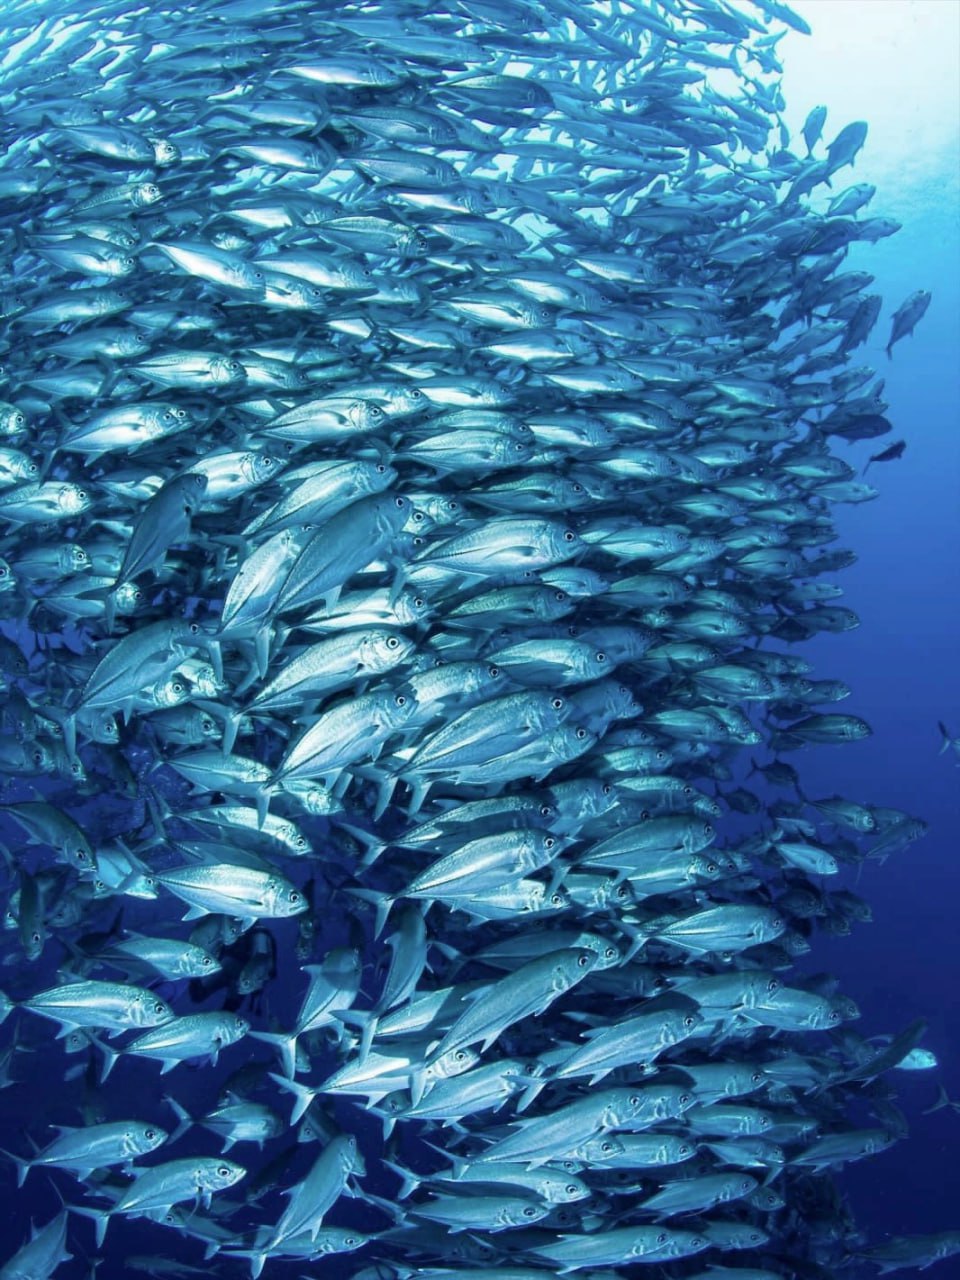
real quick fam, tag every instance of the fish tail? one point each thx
(23, 1165)
(285, 1044)
(531, 1093)
(367, 1035)
(388, 1121)
(101, 1220)
(110, 1057)
(385, 789)
(231, 726)
(303, 1096)
(943, 1101)
(408, 1181)
(263, 804)
(373, 844)
(184, 1118)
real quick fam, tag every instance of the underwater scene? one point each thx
(479, 578)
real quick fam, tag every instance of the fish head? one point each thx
(150, 1010)
(283, 898)
(219, 1175)
(144, 1138)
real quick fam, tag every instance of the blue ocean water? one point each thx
(901, 664)
(899, 62)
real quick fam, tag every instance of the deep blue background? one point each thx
(896, 64)
(902, 665)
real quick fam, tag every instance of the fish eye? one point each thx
(400, 503)
(32, 468)
(582, 961)
(80, 856)
(418, 602)
(35, 937)
(571, 1189)
(707, 829)
(223, 1172)
(712, 868)
(834, 1018)
(557, 703)
(662, 1238)
(194, 628)
(569, 535)
(392, 642)
(381, 469)
(606, 789)
(635, 1099)
(644, 815)
(549, 842)
(684, 1148)
(530, 1211)
(601, 657)
(689, 1021)
(177, 687)
(581, 734)
(757, 1077)
(685, 1098)
(556, 899)
(418, 515)
(493, 671)
(293, 897)
(159, 1007)
(400, 700)
(150, 1134)
(560, 596)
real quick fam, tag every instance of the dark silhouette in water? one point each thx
(889, 454)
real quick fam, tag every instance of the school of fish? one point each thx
(422, 426)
